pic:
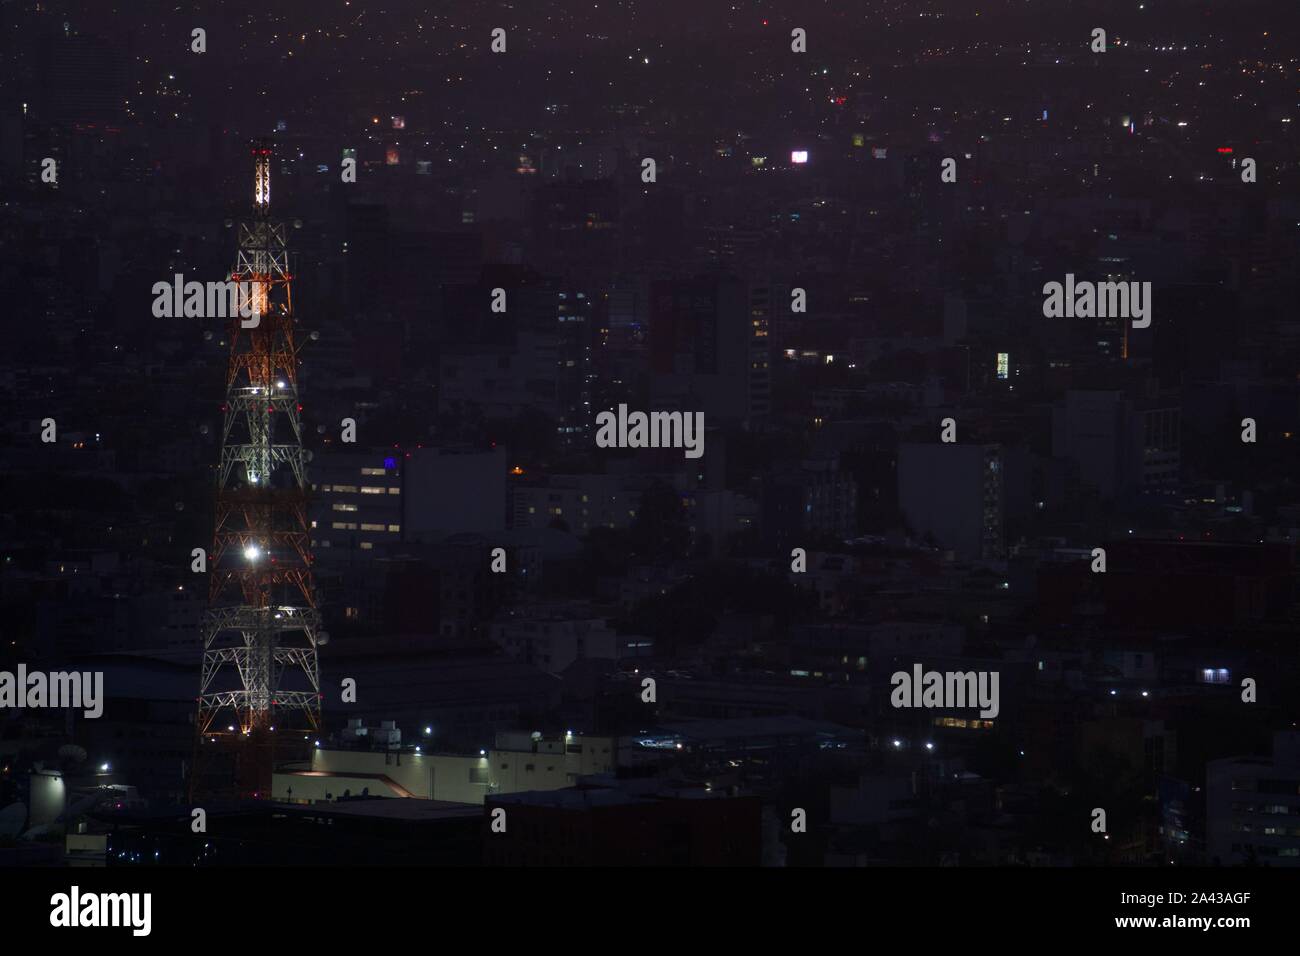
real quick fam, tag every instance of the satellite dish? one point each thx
(297, 224)
(45, 829)
(315, 335)
(207, 335)
(322, 638)
(12, 819)
(228, 223)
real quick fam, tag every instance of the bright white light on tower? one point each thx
(252, 552)
(799, 156)
(262, 179)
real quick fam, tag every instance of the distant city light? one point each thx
(799, 156)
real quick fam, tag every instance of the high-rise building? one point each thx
(356, 505)
(701, 346)
(1253, 807)
(809, 497)
(761, 305)
(953, 493)
(573, 374)
(1120, 445)
(536, 356)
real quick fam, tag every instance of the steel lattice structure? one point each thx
(262, 628)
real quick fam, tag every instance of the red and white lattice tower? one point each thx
(261, 680)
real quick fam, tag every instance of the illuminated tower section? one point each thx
(260, 680)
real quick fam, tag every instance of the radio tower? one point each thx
(260, 680)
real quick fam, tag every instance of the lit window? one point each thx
(371, 490)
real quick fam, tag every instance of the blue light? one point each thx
(390, 462)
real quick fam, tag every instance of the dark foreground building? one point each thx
(623, 824)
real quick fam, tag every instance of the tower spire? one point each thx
(260, 678)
